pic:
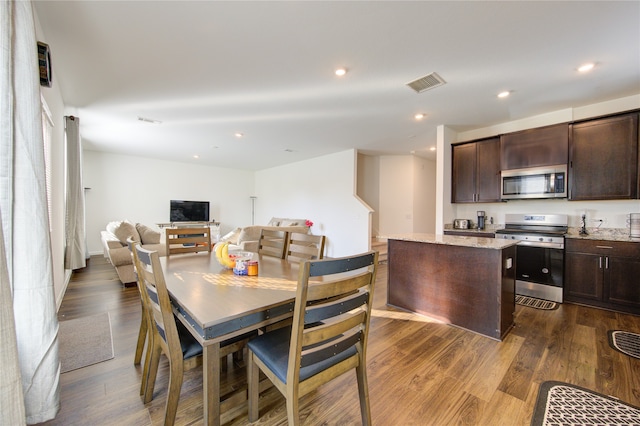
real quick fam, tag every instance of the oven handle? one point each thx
(542, 244)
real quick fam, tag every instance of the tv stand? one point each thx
(188, 224)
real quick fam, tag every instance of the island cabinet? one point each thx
(472, 287)
(542, 146)
(603, 274)
(603, 159)
(476, 172)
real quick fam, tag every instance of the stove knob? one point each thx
(540, 239)
(513, 237)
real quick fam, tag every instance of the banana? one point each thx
(226, 260)
(218, 249)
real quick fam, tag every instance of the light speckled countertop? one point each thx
(453, 240)
(605, 234)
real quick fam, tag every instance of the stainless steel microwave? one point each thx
(537, 182)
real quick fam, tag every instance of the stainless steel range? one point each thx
(539, 253)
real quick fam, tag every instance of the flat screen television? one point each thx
(189, 211)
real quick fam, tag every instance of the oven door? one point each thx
(540, 272)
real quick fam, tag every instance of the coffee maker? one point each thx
(481, 218)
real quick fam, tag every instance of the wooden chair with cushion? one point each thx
(305, 247)
(327, 338)
(167, 334)
(143, 333)
(188, 240)
(273, 243)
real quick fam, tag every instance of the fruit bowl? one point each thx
(228, 258)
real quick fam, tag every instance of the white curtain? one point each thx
(26, 272)
(75, 247)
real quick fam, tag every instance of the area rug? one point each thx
(626, 342)
(535, 303)
(565, 404)
(85, 341)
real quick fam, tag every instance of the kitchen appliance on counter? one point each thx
(536, 182)
(461, 224)
(539, 253)
(481, 217)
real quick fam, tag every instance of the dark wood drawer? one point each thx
(603, 248)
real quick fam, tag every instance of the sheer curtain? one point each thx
(26, 273)
(75, 254)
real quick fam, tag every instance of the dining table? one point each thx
(215, 304)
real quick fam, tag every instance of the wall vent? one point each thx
(429, 81)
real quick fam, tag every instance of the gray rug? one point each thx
(565, 404)
(626, 342)
(85, 341)
(535, 303)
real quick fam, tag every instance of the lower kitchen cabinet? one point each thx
(603, 274)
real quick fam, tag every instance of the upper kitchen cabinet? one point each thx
(543, 146)
(476, 172)
(603, 159)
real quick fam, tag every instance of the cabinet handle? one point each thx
(599, 262)
(604, 247)
(606, 262)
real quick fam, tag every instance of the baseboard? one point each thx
(67, 279)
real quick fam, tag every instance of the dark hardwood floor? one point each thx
(420, 372)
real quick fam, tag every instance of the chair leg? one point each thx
(253, 385)
(363, 393)
(176, 372)
(153, 372)
(293, 415)
(147, 362)
(142, 338)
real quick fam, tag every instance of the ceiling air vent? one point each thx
(427, 82)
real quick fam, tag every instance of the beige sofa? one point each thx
(247, 238)
(114, 243)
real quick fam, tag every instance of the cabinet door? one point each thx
(603, 163)
(488, 171)
(583, 277)
(463, 179)
(622, 276)
(543, 146)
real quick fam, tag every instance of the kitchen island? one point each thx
(468, 282)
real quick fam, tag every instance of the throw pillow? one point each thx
(126, 230)
(232, 237)
(148, 235)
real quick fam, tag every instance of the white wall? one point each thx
(139, 189)
(369, 187)
(322, 190)
(424, 195)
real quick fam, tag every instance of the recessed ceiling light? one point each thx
(586, 67)
(419, 116)
(504, 94)
(149, 120)
(238, 135)
(433, 148)
(196, 156)
(341, 71)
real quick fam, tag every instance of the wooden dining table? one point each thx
(215, 305)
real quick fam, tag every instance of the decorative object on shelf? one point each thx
(308, 223)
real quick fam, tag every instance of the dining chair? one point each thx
(327, 338)
(143, 333)
(187, 240)
(273, 243)
(168, 335)
(305, 246)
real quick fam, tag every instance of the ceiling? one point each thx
(206, 70)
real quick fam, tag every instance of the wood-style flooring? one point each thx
(421, 372)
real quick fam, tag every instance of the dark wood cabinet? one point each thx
(476, 172)
(603, 274)
(542, 146)
(603, 159)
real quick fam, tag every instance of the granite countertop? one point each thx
(604, 234)
(453, 240)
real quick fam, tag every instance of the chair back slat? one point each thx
(329, 349)
(321, 312)
(187, 240)
(273, 243)
(305, 246)
(339, 265)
